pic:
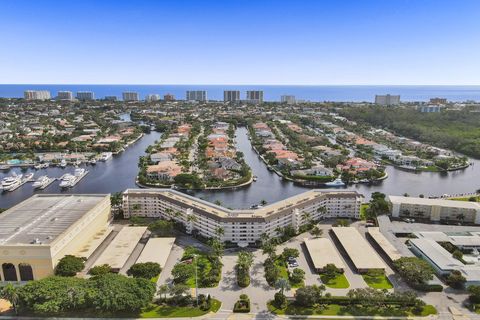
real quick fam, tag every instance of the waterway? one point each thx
(119, 174)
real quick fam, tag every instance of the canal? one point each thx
(119, 174)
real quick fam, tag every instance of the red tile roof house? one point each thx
(356, 165)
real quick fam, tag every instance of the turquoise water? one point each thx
(271, 93)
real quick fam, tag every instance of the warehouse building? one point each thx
(322, 252)
(362, 255)
(242, 227)
(38, 232)
(435, 209)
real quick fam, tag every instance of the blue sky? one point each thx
(240, 42)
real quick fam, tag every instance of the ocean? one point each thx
(271, 93)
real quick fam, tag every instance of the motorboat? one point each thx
(28, 176)
(42, 182)
(335, 183)
(12, 182)
(63, 163)
(93, 162)
(79, 172)
(106, 156)
(67, 181)
(4, 167)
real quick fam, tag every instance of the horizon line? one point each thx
(216, 84)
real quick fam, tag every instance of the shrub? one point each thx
(242, 305)
(147, 270)
(100, 270)
(280, 300)
(69, 266)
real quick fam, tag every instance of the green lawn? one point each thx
(204, 267)
(281, 264)
(178, 312)
(339, 282)
(363, 208)
(339, 310)
(377, 282)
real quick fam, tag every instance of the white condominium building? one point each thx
(197, 95)
(242, 227)
(65, 95)
(255, 96)
(231, 95)
(152, 97)
(288, 99)
(387, 100)
(36, 95)
(130, 96)
(85, 95)
(435, 209)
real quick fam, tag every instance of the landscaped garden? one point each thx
(377, 280)
(311, 300)
(209, 269)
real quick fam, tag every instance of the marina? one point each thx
(119, 172)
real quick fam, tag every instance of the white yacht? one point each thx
(63, 163)
(93, 161)
(42, 182)
(335, 183)
(106, 156)
(12, 182)
(67, 181)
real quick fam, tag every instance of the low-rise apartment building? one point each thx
(435, 209)
(242, 226)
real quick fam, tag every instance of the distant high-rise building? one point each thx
(231, 95)
(130, 96)
(438, 101)
(196, 95)
(36, 95)
(387, 100)
(288, 99)
(169, 97)
(111, 98)
(152, 97)
(65, 95)
(85, 95)
(255, 96)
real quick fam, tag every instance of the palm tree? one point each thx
(322, 209)
(245, 260)
(10, 293)
(264, 237)
(306, 216)
(219, 231)
(163, 289)
(283, 285)
(192, 218)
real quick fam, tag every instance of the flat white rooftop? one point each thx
(119, 250)
(437, 254)
(322, 252)
(358, 249)
(434, 202)
(156, 250)
(384, 243)
(40, 219)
